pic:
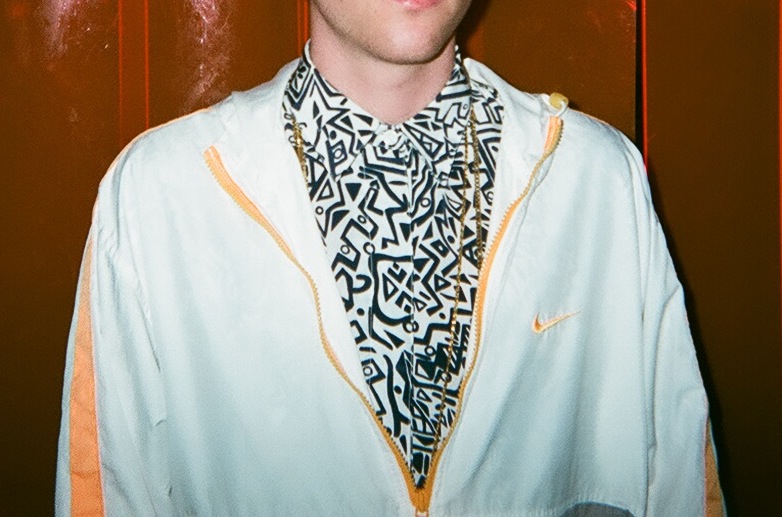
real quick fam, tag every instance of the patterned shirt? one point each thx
(388, 201)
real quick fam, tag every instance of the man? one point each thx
(384, 283)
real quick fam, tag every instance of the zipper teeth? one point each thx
(419, 497)
(220, 174)
(215, 164)
(552, 141)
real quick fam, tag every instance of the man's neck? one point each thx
(392, 92)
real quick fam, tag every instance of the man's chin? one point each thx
(412, 53)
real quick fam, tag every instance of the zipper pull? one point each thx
(559, 102)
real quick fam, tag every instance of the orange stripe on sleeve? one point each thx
(86, 487)
(713, 491)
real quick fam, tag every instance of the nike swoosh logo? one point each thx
(541, 326)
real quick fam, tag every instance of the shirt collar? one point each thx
(335, 129)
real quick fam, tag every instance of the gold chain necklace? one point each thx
(476, 174)
(470, 137)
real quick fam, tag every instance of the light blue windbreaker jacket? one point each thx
(212, 371)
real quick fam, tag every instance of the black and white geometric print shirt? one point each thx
(388, 201)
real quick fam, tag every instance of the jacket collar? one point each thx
(335, 129)
(254, 149)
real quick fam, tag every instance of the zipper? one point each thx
(552, 142)
(420, 498)
(553, 137)
(219, 172)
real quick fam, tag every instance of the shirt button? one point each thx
(390, 137)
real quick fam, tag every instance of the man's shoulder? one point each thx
(178, 137)
(589, 151)
(179, 144)
(202, 128)
(534, 110)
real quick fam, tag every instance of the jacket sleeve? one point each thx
(111, 448)
(682, 474)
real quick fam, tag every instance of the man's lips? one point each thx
(418, 4)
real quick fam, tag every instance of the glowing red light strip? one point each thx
(133, 68)
(644, 86)
(146, 66)
(120, 70)
(303, 18)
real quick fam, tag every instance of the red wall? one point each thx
(79, 79)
